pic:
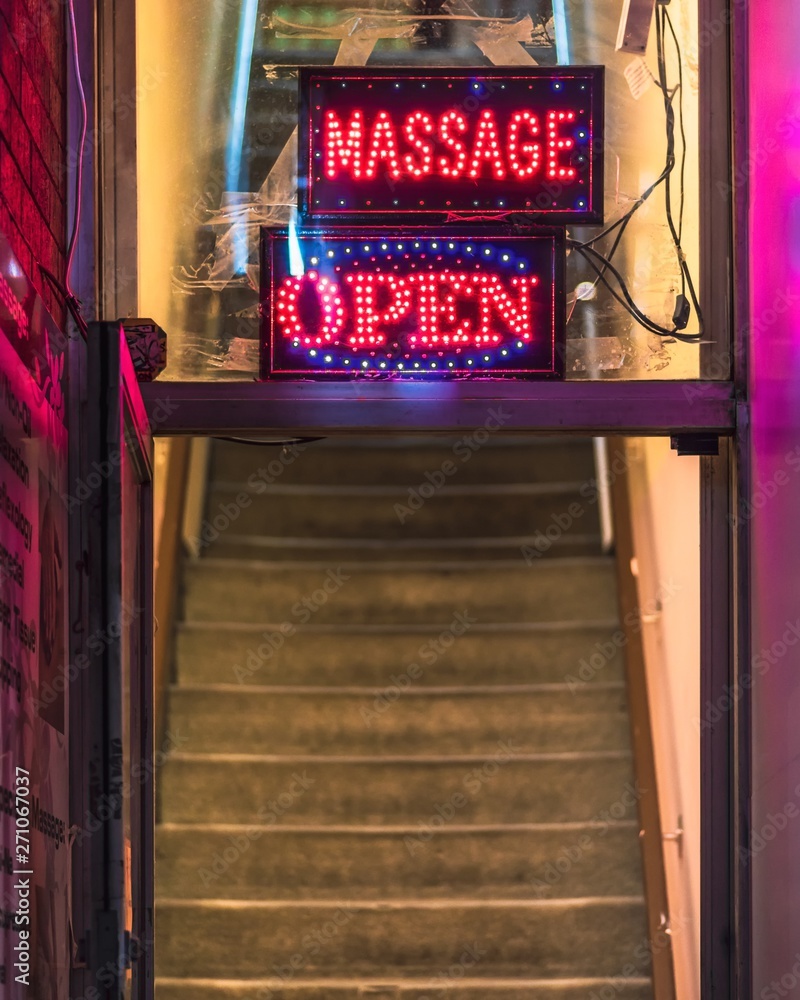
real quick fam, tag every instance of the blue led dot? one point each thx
(416, 364)
(383, 364)
(506, 257)
(366, 248)
(504, 352)
(520, 344)
(451, 364)
(328, 358)
(315, 260)
(400, 366)
(451, 246)
(347, 250)
(434, 246)
(433, 364)
(384, 246)
(469, 361)
(557, 85)
(399, 246)
(522, 265)
(487, 252)
(469, 249)
(347, 361)
(476, 86)
(312, 354)
(330, 253)
(486, 357)
(365, 364)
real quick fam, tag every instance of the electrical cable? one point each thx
(65, 290)
(587, 247)
(81, 150)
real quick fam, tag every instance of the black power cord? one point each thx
(592, 256)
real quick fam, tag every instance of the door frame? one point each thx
(343, 410)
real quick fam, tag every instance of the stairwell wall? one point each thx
(665, 502)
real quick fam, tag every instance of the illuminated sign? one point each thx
(452, 143)
(412, 303)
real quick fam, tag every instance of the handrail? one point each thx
(167, 577)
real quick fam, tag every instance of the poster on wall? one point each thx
(34, 762)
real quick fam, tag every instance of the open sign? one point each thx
(452, 143)
(412, 303)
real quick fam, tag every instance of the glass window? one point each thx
(217, 114)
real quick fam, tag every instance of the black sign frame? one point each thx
(518, 207)
(273, 241)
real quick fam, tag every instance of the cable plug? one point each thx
(683, 310)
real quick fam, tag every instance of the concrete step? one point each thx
(506, 786)
(538, 653)
(409, 938)
(404, 461)
(393, 512)
(297, 593)
(391, 719)
(457, 988)
(277, 547)
(567, 860)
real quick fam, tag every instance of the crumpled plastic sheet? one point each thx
(359, 30)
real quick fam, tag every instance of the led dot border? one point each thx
(451, 143)
(412, 304)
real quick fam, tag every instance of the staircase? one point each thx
(395, 779)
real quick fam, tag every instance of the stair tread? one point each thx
(413, 628)
(566, 826)
(454, 691)
(386, 905)
(380, 760)
(414, 982)
(370, 490)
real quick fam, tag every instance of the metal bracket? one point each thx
(695, 444)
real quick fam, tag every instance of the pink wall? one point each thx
(774, 174)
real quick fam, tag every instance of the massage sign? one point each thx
(433, 207)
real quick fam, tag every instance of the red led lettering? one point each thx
(453, 167)
(518, 153)
(383, 146)
(369, 318)
(329, 303)
(557, 143)
(524, 158)
(343, 148)
(435, 302)
(487, 147)
(422, 165)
